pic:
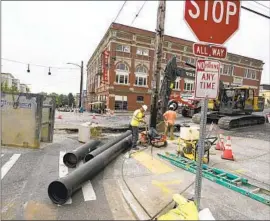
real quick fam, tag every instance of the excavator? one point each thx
(232, 108)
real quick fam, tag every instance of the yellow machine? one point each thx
(188, 143)
(188, 149)
(234, 107)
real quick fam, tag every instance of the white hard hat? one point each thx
(171, 106)
(144, 107)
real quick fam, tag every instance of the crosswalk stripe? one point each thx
(8, 165)
(63, 170)
(87, 189)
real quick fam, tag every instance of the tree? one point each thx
(71, 100)
(5, 88)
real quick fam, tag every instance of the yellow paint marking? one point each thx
(163, 185)
(39, 211)
(154, 165)
(238, 171)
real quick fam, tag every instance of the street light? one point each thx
(81, 83)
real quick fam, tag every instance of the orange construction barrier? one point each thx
(220, 143)
(227, 152)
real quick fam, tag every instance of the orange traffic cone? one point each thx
(59, 116)
(94, 116)
(220, 143)
(227, 152)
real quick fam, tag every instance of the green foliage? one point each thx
(71, 100)
(5, 88)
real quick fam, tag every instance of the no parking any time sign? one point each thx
(207, 79)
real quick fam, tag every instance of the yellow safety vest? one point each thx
(136, 118)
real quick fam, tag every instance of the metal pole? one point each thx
(81, 86)
(198, 180)
(158, 59)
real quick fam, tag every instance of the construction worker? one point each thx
(169, 119)
(137, 118)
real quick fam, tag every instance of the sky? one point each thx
(53, 33)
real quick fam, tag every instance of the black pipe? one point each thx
(61, 190)
(104, 147)
(71, 159)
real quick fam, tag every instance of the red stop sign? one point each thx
(213, 21)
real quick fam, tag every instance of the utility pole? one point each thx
(81, 83)
(157, 60)
(81, 86)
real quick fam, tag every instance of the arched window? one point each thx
(122, 74)
(141, 76)
(141, 69)
(122, 67)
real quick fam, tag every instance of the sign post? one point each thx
(212, 22)
(206, 86)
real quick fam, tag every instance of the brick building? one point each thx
(122, 80)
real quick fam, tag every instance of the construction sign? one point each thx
(207, 79)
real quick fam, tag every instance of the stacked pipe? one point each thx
(62, 189)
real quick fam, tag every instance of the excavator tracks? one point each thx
(231, 122)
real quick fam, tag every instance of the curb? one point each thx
(136, 209)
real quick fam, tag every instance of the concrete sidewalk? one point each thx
(153, 181)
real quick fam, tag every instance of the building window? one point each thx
(188, 86)
(122, 74)
(177, 84)
(140, 98)
(122, 67)
(142, 51)
(250, 74)
(141, 76)
(121, 78)
(190, 60)
(123, 48)
(141, 69)
(120, 105)
(227, 69)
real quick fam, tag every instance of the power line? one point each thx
(138, 12)
(262, 4)
(120, 11)
(37, 65)
(255, 12)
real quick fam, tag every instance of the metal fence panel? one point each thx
(21, 119)
(48, 115)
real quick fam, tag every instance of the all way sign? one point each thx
(207, 79)
(209, 50)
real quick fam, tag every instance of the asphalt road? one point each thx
(26, 175)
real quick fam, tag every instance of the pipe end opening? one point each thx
(70, 160)
(88, 157)
(58, 192)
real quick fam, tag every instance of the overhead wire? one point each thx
(119, 12)
(138, 12)
(262, 4)
(38, 65)
(255, 12)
